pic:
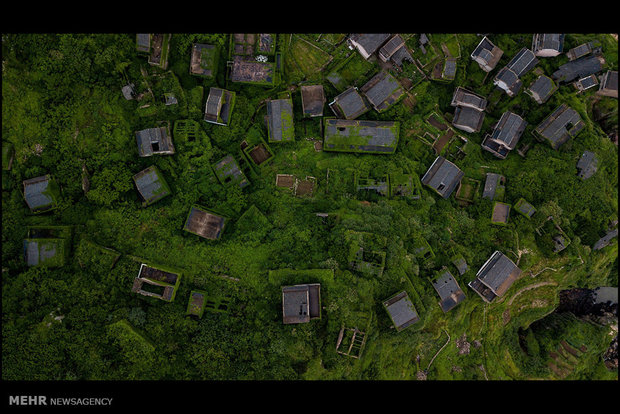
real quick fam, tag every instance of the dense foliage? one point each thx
(65, 115)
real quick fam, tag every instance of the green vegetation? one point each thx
(63, 111)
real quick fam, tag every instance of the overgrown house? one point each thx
(495, 277)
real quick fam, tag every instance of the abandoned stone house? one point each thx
(401, 311)
(542, 89)
(494, 187)
(151, 185)
(547, 44)
(367, 43)
(579, 68)
(580, 51)
(377, 137)
(395, 51)
(469, 112)
(280, 126)
(40, 193)
(609, 84)
(47, 245)
(228, 172)
(525, 208)
(349, 104)
(204, 223)
(203, 58)
(561, 125)
(587, 165)
(487, 54)
(505, 135)
(143, 42)
(312, 100)
(155, 282)
(382, 91)
(606, 239)
(448, 289)
(218, 109)
(443, 177)
(586, 83)
(301, 303)
(508, 78)
(249, 70)
(153, 141)
(495, 277)
(500, 213)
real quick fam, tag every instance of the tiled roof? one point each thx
(443, 176)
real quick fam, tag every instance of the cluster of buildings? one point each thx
(253, 59)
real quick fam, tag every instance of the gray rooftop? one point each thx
(579, 68)
(466, 98)
(487, 54)
(522, 62)
(350, 104)
(151, 185)
(605, 240)
(154, 141)
(280, 119)
(370, 42)
(610, 81)
(214, 103)
(587, 165)
(448, 290)
(468, 119)
(40, 251)
(498, 273)
(443, 176)
(382, 90)
(490, 185)
(312, 99)
(401, 311)
(508, 77)
(562, 124)
(300, 303)
(360, 136)
(204, 223)
(542, 88)
(509, 129)
(552, 41)
(36, 192)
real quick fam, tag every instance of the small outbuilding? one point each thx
(448, 289)
(41, 193)
(443, 177)
(301, 303)
(587, 165)
(204, 223)
(151, 185)
(349, 104)
(219, 106)
(153, 141)
(401, 311)
(312, 100)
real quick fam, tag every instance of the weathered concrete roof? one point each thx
(368, 43)
(587, 165)
(301, 303)
(498, 273)
(468, 119)
(466, 98)
(579, 68)
(312, 99)
(382, 90)
(401, 311)
(562, 124)
(448, 290)
(542, 89)
(204, 223)
(37, 194)
(349, 104)
(360, 136)
(443, 176)
(490, 185)
(154, 141)
(151, 184)
(509, 129)
(280, 120)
